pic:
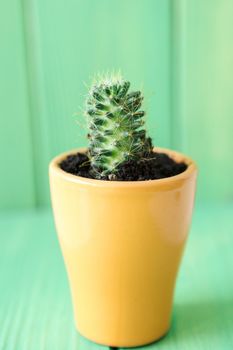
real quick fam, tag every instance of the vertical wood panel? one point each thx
(71, 41)
(40, 115)
(17, 182)
(178, 19)
(179, 49)
(203, 91)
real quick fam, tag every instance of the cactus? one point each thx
(115, 125)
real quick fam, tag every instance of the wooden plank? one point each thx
(40, 120)
(202, 91)
(17, 184)
(36, 311)
(67, 43)
(72, 41)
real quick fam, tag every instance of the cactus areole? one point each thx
(116, 131)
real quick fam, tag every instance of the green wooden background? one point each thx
(179, 51)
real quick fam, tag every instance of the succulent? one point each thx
(115, 125)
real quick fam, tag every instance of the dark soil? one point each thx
(155, 166)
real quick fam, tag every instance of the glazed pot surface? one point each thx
(122, 244)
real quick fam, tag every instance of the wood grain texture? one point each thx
(35, 305)
(179, 52)
(202, 97)
(17, 173)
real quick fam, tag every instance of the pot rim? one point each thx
(180, 157)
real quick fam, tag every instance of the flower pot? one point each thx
(122, 244)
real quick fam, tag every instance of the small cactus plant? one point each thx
(115, 125)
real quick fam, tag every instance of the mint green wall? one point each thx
(17, 187)
(202, 101)
(179, 51)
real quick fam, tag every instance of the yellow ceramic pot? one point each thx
(122, 244)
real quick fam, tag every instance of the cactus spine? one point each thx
(115, 124)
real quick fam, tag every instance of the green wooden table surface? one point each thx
(35, 305)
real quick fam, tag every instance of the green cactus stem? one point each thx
(115, 124)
